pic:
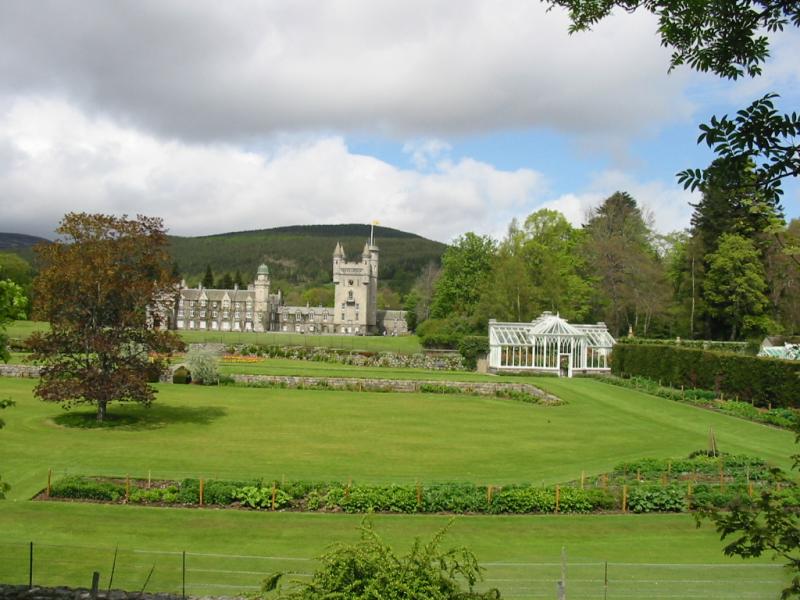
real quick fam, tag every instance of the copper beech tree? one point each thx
(105, 287)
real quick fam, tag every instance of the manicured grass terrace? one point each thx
(236, 432)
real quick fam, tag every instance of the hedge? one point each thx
(765, 382)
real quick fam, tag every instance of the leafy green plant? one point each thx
(86, 488)
(261, 497)
(643, 499)
(204, 367)
(370, 569)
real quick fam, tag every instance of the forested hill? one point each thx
(16, 241)
(302, 255)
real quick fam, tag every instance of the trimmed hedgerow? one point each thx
(766, 382)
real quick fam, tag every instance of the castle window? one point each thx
(342, 316)
(350, 282)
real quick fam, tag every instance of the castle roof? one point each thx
(263, 269)
(338, 251)
(366, 249)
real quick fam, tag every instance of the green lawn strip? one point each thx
(240, 433)
(407, 344)
(306, 368)
(72, 540)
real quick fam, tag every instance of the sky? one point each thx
(430, 116)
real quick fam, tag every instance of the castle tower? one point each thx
(261, 304)
(356, 285)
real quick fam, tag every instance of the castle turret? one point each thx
(261, 304)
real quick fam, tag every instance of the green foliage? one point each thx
(781, 417)
(445, 333)
(204, 367)
(86, 488)
(13, 303)
(472, 347)
(736, 347)
(735, 286)
(649, 498)
(466, 265)
(208, 278)
(261, 497)
(439, 388)
(370, 569)
(157, 495)
(299, 258)
(4, 487)
(765, 382)
(768, 521)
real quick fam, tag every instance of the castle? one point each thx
(355, 310)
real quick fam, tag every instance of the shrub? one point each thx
(454, 497)
(261, 497)
(204, 366)
(472, 347)
(439, 388)
(764, 382)
(86, 488)
(644, 499)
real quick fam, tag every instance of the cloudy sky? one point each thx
(432, 116)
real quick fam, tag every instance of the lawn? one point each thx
(650, 556)
(233, 432)
(408, 344)
(236, 432)
(286, 366)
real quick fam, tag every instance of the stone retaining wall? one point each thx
(487, 388)
(19, 370)
(22, 592)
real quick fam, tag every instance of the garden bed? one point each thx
(648, 485)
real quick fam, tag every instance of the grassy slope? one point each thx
(238, 432)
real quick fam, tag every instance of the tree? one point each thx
(465, 266)
(208, 278)
(631, 281)
(729, 39)
(767, 522)
(13, 304)
(225, 282)
(370, 569)
(419, 300)
(731, 204)
(735, 287)
(105, 288)
(237, 279)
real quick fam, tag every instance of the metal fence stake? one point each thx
(30, 568)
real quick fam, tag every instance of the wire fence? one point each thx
(202, 574)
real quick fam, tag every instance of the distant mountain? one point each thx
(302, 254)
(15, 241)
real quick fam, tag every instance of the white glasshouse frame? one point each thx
(549, 344)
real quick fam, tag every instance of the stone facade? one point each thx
(256, 309)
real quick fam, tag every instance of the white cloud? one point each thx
(667, 204)
(208, 70)
(56, 159)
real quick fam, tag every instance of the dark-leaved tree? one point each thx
(105, 287)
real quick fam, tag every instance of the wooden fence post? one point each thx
(624, 498)
(201, 491)
(49, 477)
(558, 498)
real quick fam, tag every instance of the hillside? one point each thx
(18, 241)
(301, 255)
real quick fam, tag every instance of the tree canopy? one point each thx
(105, 288)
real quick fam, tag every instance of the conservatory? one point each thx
(549, 344)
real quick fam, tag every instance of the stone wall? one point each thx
(19, 370)
(22, 592)
(487, 388)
